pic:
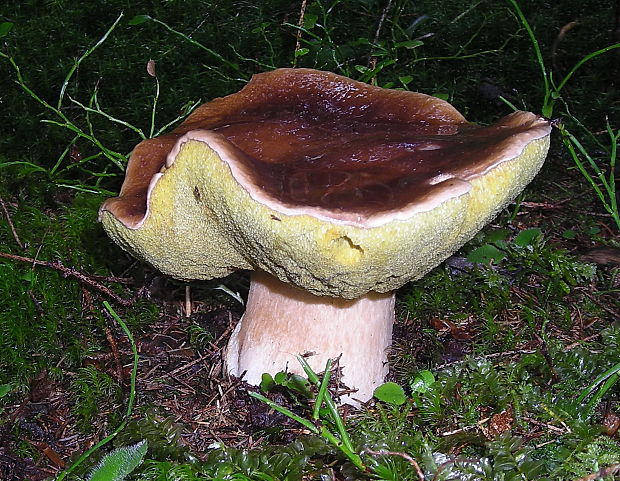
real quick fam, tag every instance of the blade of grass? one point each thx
(322, 390)
(225, 61)
(63, 155)
(186, 112)
(331, 406)
(611, 373)
(86, 54)
(287, 412)
(547, 109)
(608, 196)
(611, 381)
(576, 67)
(154, 109)
(109, 117)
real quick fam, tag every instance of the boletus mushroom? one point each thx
(334, 192)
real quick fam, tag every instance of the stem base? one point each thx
(282, 321)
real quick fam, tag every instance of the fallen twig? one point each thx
(116, 354)
(556, 43)
(413, 462)
(613, 313)
(184, 367)
(300, 24)
(87, 280)
(36, 302)
(608, 471)
(372, 60)
(516, 352)
(10, 222)
(543, 205)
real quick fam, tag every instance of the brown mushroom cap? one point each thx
(288, 116)
(333, 185)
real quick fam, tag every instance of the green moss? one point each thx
(468, 54)
(94, 392)
(43, 321)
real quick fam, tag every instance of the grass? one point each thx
(606, 191)
(507, 355)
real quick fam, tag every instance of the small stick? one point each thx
(372, 61)
(180, 381)
(223, 393)
(115, 353)
(188, 301)
(300, 24)
(116, 280)
(543, 205)
(70, 272)
(614, 314)
(412, 461)
(556, 43)
(467, 428)
(36, 302)
(489, 356)
(603, 473)
(184, 367)
(548, 426)
(10, 222)
(544, 350)
(581, 341)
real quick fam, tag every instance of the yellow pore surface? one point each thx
(203, 224)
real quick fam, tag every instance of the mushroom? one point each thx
(335, 193)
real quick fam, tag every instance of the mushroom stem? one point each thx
(282, 321)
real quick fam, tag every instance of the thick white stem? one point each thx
(282, 321)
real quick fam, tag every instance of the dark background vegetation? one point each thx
(511, 346)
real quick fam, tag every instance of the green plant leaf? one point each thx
(28, 276)
(496, 235)
(409, 44)
(5, 28)
(391, 393)
(485, 254)
(527, 237)
(569, 234)
(139, 19)
(299, 384)
(5, 389)
(300, 52)
(280, 378)
(116, 465)
(422, 382)
(310, 20)
(266, 382)
(405, 79)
